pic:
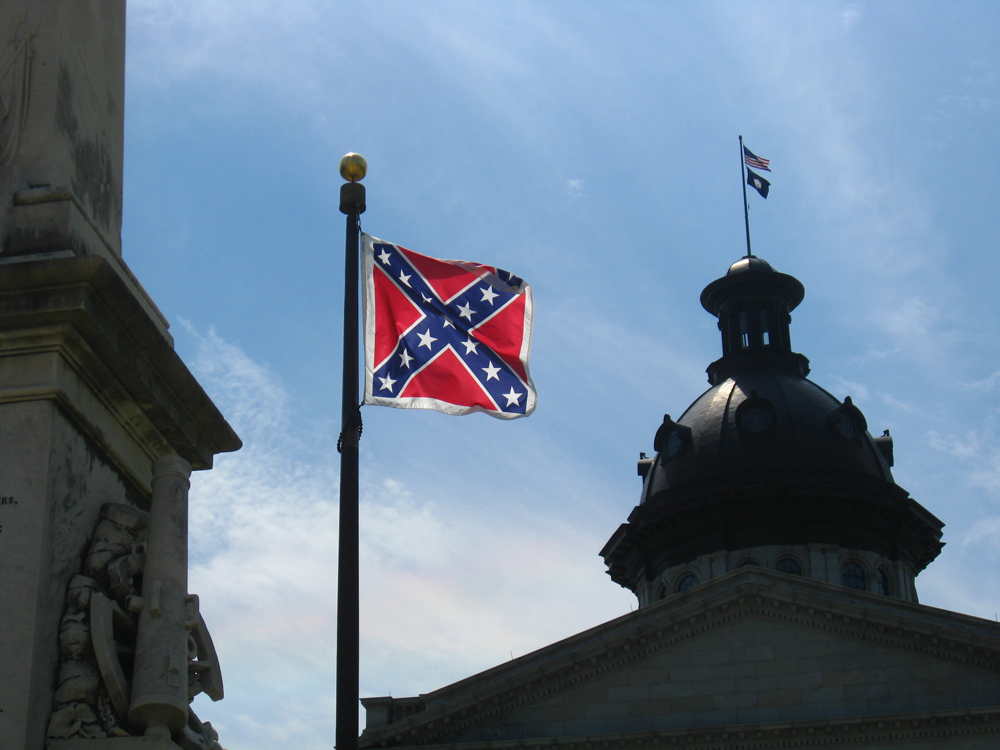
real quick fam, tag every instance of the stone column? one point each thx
(159, 681)
(61, 134)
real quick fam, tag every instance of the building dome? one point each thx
(763, 421)
(767, 468)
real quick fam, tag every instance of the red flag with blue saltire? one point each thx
(448, 335)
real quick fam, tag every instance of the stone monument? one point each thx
(101, 645)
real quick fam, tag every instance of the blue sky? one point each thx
(592, 149)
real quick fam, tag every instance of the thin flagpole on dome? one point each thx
(746, 211)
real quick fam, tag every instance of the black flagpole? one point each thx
(352, 202)
(746, 211)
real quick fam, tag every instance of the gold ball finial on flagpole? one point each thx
(353, 167)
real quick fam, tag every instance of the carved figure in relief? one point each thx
(97, 639)
(15, 80)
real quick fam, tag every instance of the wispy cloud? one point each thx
(445, 588)
(987, 384)
(850, 15)
(857, 391)
(889, 400)
(979, 454)
(975, 95)
(984, 533)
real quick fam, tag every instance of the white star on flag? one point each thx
(405, 359)
(388, 382)
(491, 372)
(470, 346)
(512, 397)
(426, 339)
(488, 295)
(465, 311)
(384, 257)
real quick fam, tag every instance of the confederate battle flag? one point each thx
(448, 335)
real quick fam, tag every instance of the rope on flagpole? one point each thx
(361, 429)
(357, 413)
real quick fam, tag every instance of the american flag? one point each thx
(444, 334)
(752, 160)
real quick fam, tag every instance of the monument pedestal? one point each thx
(91, 395)
(91, 392)
(115, 743)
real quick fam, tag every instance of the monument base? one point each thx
(115, 743)
(91, 394)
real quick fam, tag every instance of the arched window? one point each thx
(748, 563)
(765, 328)
(687, 582)
(883, 582)
(744, 331)
(788, 565)
(663, 593)
(852, 575)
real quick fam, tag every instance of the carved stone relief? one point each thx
(97, 639)
(15, 80)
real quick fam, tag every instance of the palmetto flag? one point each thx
(448, 335)
(757, 182)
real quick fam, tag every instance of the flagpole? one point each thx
(353, 167)
(746, 211)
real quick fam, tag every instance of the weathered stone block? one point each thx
(763, 683)
(629, 693)
(611, 709)
(736, 700)
(734, 670)
(779, 697)
(777, 667)
(713, 687)
(797, 680)
(672, 689)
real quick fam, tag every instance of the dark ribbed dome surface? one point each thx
(802, 435)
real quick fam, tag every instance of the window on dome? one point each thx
(788, 565)
(744, 331)
(688, 581)
(765, 329)
(749, 564)
(882, 579)
(852, 575)
(756, 418)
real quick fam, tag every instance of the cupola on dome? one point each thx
(767, 464)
